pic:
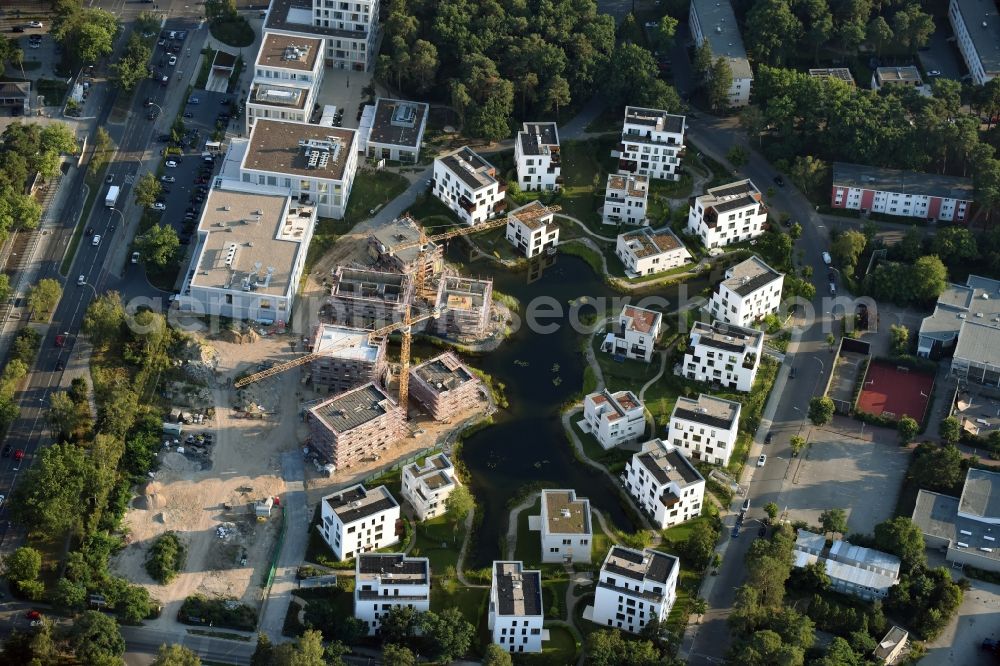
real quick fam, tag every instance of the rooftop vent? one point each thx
(564, 513)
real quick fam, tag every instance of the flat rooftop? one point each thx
(436, 472)
(726, 337)
(463, 293)
(289, 52)
(470, 168)
(667, 464)
(344, 342)
(719, 27)
(565, 514)
(977, 300)
(348, 410)
(980, 495)
(909, 74)
(646, 242)
(533, 215)
(393, 568)
(641, 319)
(299, 149)
(708, 410)
(979, 343)
(398, 122)
(402, 230)
(748, 276)
(356, 503)
(632, 185)
(937, 515)
(281, 95)
(519, 592)
(538, 138)
(654, 119)
(736, 194)
(641, 565)
(903, 182)
(297, 16)
(842, 73)
(251, 241)
(443, 373)
(982, 21)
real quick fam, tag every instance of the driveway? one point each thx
(978, 618)
(942, 55)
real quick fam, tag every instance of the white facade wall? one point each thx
(623, 208)
(329, 196)
(375, 596)
(532, 242)
(652, 263)
(426, 501)
(970, 54)
(449, 188)
(733, 226)
(609, 426)
(654, 153)
(895, 203)
(537, 172)
(623, 603)
(705, 363)
(515, 632)
(360, 536)
(646, 490)
(559, 547)
(703, 442)
(729, 307)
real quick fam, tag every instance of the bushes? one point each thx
(198, 609)
(166, 558)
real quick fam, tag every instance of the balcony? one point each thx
(630, 166)
(467, 206)
(749, 361)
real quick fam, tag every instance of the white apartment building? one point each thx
(634, 333)
(647, 252)
(613, 418)
(565, 525)
(316, 164)
(357, 520)
(350, 29)
(248, 255)
(862, 572)
(635, 586)
(427, 487)
(750, 291)
(728, 214)
(664, 484)
(287, 77)
(393, 129)
(705, 428)
(723, 354)
(652, 143)
(625, 199)
(977, 31)
(715, 21)
(385, 580)
(467, 184)
(537, 158)
(928, 196)
(515, 614)
(532, 229)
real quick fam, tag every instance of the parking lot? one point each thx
(978, 618)
(941, 55)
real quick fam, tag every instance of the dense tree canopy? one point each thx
(87, 34)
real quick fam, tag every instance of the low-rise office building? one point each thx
(647, 252)
(634, 334)
(904, 193)
(715, 22)
(515, 612)
(723, 354)
(350, 30)
(532, 230)
(664, 484)
(977, 32)
(625, 199)
(393, 129)
(288, 74)
(614, 418)
(565, 526)
(705, 428)
(356, 425)
(348, 358)
(960, 310)
(427, 487)
(467, 184)
(634, 587)
(383, 581)
(652, 143)
(357, 520)
(445, 387)
(728, 214)
(750, 291)
(860, 572)
(537, 157)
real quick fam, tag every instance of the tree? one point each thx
(491, 119)
(929, 277)
(698, 548)
(702, 60)
(903, 538)
(772, 510)
(557, 94)
(496, 656)
(720, 80)
(263, 654)
(899, 339)
(86, 34)
(937, 468)
(147, 190)
(834, 520)
(423, 64)
(158, 245)
(954, 245)
(907, 428)
(398, 624)
(808, 173)
(399, 655)
(772, 31)
(69, 595)
(22, 567)
(821, 410)
(63, 415)
(737, 156)
(949, 430)
(813, 577)
(306, 651)
(459, 503)
(665, 32)
(48, 500)
(838, 653)
(797, 443)
(608, 648)
(43, 297)
(879, 33)
(96, 639)
(913, 27)
(104, 318)
(176, 655)
(846, 249)
(765, 647)
(131, 67)
(698, 606)
(4, 287)
(448, 634)
(135, 604)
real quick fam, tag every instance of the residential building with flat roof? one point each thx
(903, 193)
(977, 32)
(393, 129)
(614, 418)
(647, 251)
(249, 253)
(515, 611)
(634, 587)
(537, 157)
(958, 309)
(892, 646)
(467, 184)
(723, 354)
(350, 30)
(445, 387)
(288, 74)
(316, 164)
(427, 486)
(750, 291)
(705, 428)
(715, 22)
(565, 526)
(349, 357)
(652, 143)
(625, 199)
(861, 572)
(356, 425)
(726, 214)
(404, 233)
(664, 484)
(532, 230)
(896, 76)
(289, 101)
(838, 73)
(368, 299)
(357, 520)
(634, 334)
(383, 581)
(16, 95)
(465, 304)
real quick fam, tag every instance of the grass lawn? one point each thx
(439, 540)
(554, 588)
(614, 459)
(627, 374)
(429, 210)
(585, 252)
(528, 548)
(585, 166)
(235, 31)
(495, 242)
(54, 91)
(560, 650)
(371, 191)
(471, 601)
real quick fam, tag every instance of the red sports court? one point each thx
(895, 391)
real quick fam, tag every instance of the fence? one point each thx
(269, 576)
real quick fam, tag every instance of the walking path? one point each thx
(515, 513)
(642, 392)
(459, 565)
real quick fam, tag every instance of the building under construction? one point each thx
(404, 232)
(356, 425)
(349, 358)
(445, 387)
(465, 306)
(368, 299)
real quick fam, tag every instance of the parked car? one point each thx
(60, 365)
(81, 280)
(172, 60)
(827, 259)
(761, 460)
(171, 164)
(89, 231)
(791, 373)
(768, 438)
(779, 181)
(746, 504)
(159, 205)
(168, 179)
(17, 28)
(762, 531)
(990, 645)
(934, 72)
(109, 179)
(6, 450)
(135, 257)
(34, 24)
(194, 100)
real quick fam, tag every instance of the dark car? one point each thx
(791, 373)
(89, 231)
(736, 531)
(188, 114)
(6, 450)
(17, 28)
(779, 181)
(60, 365)
(762, 531)
(768, 438)
(990, 645)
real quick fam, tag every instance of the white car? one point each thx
(159, 205)
(96, 240)
(827, 259)
(34, 24)
(172, 61)
(3, 498)
(761, 460)
(170, 164)
(135, 257)
(82, 280)
(934, 72)
(168, 179)
(34, 45)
